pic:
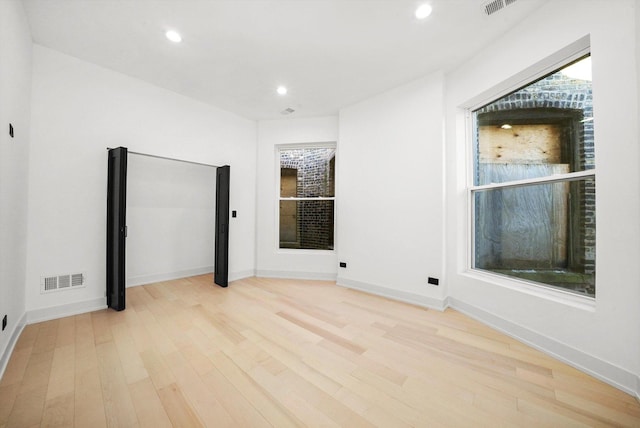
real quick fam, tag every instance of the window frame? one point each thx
(547, 66)
(279, 198)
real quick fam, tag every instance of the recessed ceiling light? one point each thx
(423, 11)
(506, 126)
(174, 36)
(281, 90)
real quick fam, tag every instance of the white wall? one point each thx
(272, 261)
(391, 193)
(80, 109)
(602, 339)
(170, 219)
(15, 89)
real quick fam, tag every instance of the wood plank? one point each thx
(28, 408)
(61, 377)
(101, 329)
(47, 337)
(118, 406)
(59, 411)
(149, 408)
(520, 144)
(596, 410)
(88, 399)
(204, 404)
(256, 394)
(132, 364)
(37, 372)
(338, 340)
(16, 367)
(28, 336)
(8, 396)
(158, 371)
(242, 411)
(89, 406)
(177, 407)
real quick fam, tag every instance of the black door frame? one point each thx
(221, 249)
(116, 227)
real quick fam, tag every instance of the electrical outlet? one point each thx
(343, 264)
(4, 323)
(433, 281)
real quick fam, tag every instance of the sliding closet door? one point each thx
(116, 227)
(221, 274)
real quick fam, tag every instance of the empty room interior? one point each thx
(328, 213)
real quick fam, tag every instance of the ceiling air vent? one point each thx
(61, 282)
(286, 111)
(494, 6)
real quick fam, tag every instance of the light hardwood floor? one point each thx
(284, 353)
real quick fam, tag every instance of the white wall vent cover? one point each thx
(61, 282)
(494, 6)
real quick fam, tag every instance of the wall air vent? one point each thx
(493, 6)
(64, 281)
(61, 282)
(77, 280)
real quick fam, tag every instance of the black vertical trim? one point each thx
(116, 227)
(221, 263)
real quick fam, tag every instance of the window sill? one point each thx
(533, 289)
(300, 251)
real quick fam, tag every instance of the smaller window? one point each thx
(307, 197)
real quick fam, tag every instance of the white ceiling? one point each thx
(329, 53)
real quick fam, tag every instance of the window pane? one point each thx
(541, 129)
(543, 233)
(306, 224)
(307, 172)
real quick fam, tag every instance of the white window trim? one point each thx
(532, 288)
(555, 178)
(538, 70)
(278, 198)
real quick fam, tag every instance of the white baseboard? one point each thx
(54, 312)
(15, 334)
(600, 369)
(235, 276)
(167, 276)
(323, 276)
(150, 279)
(402, 296)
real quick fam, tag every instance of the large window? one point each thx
(307, 197)
(533, 195)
